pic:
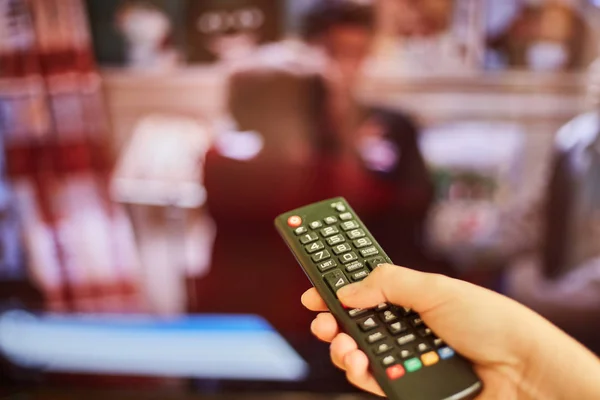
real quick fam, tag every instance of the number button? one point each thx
(324, 266)
(342, 248)
(300, 231)
(348, 225)
(330, 220)
(336, 279)
(329, 231)
(308, 238)
(363, 242)
(335, 240)
(316, 224)
(355, 234)
(348, 257)
(316, 246)
(321, 255)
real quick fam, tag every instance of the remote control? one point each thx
(406, 358)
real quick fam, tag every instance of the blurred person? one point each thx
(522, 355)
(147, 30)
(295, 134)
(545, 37)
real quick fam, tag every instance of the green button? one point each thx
(413, 365)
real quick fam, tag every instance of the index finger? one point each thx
(313, 301)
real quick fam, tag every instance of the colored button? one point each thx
(446, 353)
(430, 358)
(395, 372)
(412, 365)
(294, 221)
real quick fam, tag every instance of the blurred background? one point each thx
(147, 146)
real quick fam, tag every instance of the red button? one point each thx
(294, 221)
(395, 372)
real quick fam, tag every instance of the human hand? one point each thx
(515, 352)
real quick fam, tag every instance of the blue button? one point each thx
(446, 353)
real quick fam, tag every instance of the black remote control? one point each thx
(407, 359)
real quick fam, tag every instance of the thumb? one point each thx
(403, 287)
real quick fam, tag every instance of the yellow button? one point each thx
(430, 358)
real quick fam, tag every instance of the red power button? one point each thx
(294, 221)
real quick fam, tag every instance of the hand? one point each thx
(515, 351)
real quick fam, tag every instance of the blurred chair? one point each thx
(562, 282)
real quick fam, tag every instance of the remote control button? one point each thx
(412, 365)
(335, 240)
(395, 372)
(369, 251)
(405, 311)
(423, 347)
(355, 234)
(446, 353)
(388, 316)
(294, 221)
(362, 242)
(382, 306)
(346, 216)
(425, 332)
(327, 265)
(316, 246)
(406, 353)
(336, 279)
(321, 255)
(338, 207)
(300, 231)
(388, 360)
(368, 323)
(354, 266)
(356, 312)
(329, 231)
(375, 337)
(346, 258)
(375, 262)
(308, 238)
(342, 248)
(382, 348)
(430, 358)
(348, 225)
(360, 275)
(437, 342)
(316, 224)
(416, 321)
(397, 327)
(406, 339)
(330, 220)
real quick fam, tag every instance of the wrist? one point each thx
(557, 367)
